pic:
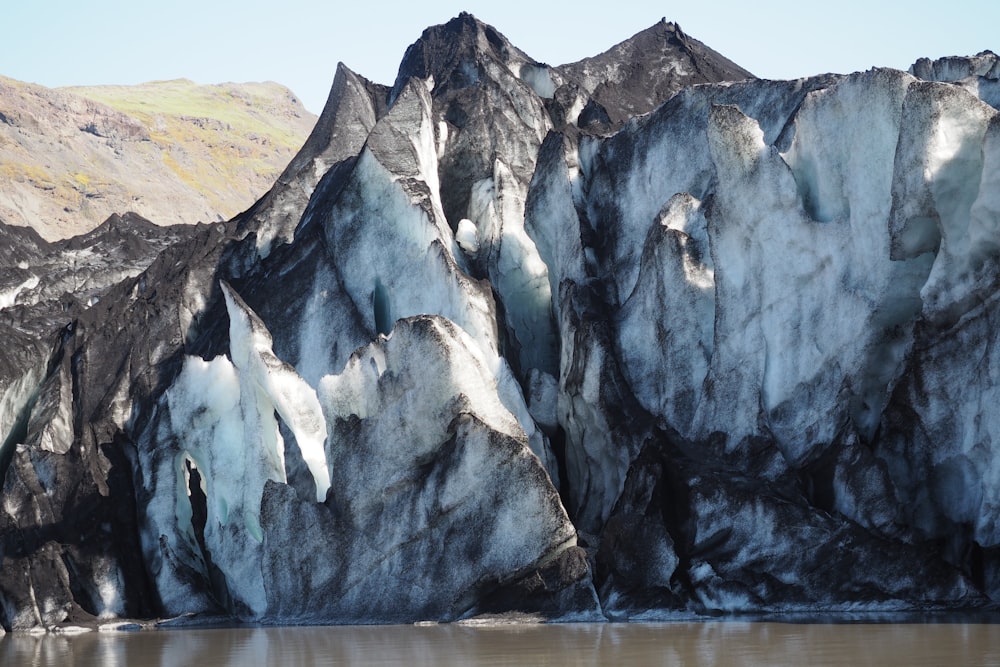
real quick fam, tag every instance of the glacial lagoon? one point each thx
(730, 642)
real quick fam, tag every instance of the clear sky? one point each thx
(299, 42)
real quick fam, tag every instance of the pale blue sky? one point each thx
(299, 42)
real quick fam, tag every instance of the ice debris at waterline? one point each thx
(554, 340)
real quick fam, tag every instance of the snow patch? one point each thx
(467, 236)
(9, 297)
(539, 79)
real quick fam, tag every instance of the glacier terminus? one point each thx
(638, 337)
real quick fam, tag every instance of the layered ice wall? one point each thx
(496, 343)
(830, 264)
(373, 250)
(420, 446)
(205, 466)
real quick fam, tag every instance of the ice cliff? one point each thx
(633, 337)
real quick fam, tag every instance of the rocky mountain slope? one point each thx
(481, 350)
(171, 151)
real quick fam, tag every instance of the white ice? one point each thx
(539, 79)
(388, 238)
(15, 397)
(467, 237)
(413, 382)
(516, 268)
(9, 297)
(223, 419)
(278, 388)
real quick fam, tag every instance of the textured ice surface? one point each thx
(941, 448)
(223, 428)
(9, 297)
(387, 235)
(278, 390)
(747, 339)
(420, 445)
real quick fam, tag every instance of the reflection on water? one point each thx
(707, 643)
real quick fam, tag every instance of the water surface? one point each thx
(701, 643)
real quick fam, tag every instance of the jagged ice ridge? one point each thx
(636, 337)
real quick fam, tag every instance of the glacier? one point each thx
(633, 338)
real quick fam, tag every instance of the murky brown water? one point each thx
(704, 643)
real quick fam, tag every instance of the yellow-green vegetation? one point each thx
(183, 98)
(211, 171)
(173, 151)
(208, 134)
(65, 187)
(87, 183)
(175, 167)
(27, 173)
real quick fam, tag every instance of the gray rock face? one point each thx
(472, 354)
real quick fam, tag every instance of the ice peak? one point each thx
(670, 26)
(454, 53)
(639, 74)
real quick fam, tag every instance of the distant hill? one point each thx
(171, 151)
